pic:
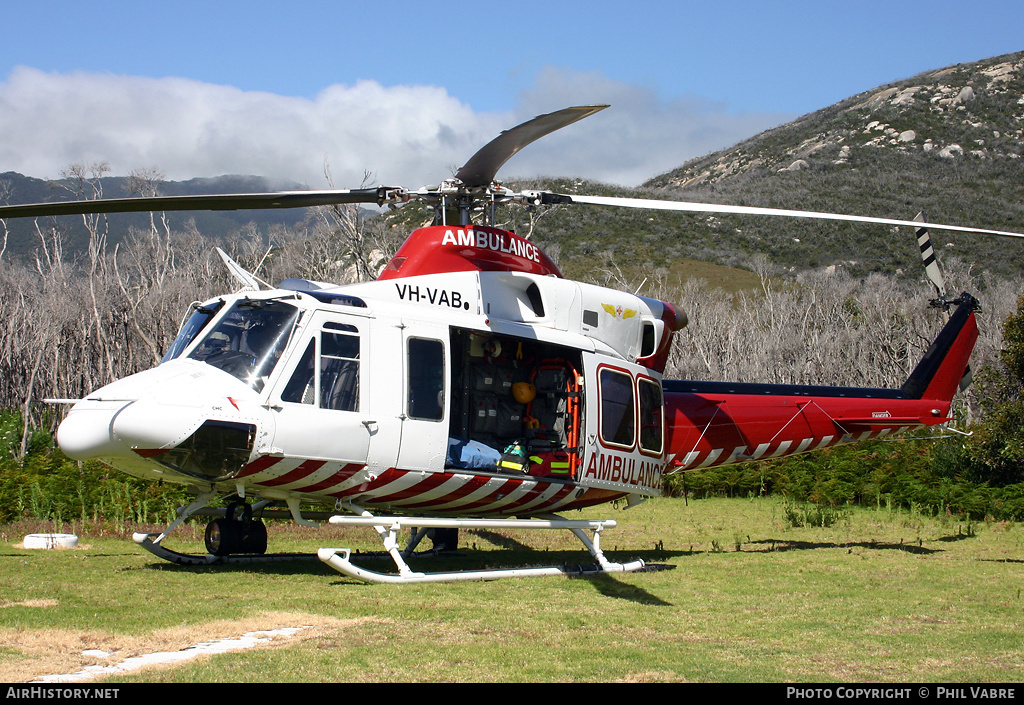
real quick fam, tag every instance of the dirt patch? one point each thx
(652, 677)
(26, 654)
(29, 603)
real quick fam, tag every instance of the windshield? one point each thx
(248, 340)
(201, 315)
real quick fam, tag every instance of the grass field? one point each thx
(736, 593)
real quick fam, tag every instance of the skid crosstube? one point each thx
(389, 528)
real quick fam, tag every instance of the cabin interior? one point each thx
(516, 405)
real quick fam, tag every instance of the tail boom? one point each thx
(720, 423)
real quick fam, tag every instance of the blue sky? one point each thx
(408, 91)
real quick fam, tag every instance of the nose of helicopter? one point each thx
(122, 429)
(86, 433)
(152, 410)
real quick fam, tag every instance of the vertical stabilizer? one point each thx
(943, 366)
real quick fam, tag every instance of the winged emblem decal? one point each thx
(618, 311)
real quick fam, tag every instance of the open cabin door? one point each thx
(516, 405)
(625, 436)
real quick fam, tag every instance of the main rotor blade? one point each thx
(482, 166)
(216, 202)
(691, 207)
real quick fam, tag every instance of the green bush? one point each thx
(807, 514)
(47, 485)
(913, 474)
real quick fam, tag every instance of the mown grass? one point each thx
(736, 593)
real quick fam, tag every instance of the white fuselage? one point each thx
(397, 393)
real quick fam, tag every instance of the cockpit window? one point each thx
(249, 339)
(201, 315)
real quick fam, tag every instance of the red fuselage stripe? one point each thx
(300, 473)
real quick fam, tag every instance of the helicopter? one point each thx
(470, 386)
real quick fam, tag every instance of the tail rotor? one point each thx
(934, 272)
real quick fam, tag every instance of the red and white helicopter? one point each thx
(469, 386)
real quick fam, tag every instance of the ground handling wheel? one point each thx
(229, 535)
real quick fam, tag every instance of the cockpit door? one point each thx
(321, 398)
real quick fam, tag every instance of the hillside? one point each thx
(948, 142)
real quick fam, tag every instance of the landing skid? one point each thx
(389, 528)
(146, 541)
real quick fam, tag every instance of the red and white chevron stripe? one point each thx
(445, 493)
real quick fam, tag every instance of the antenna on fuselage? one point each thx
(250, 281)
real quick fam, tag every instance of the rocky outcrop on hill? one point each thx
(947, 142)
(969, 111)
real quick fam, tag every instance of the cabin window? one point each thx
(339, 368)
(333, 382)
(618, 411)
(651, 416)
(426, 379)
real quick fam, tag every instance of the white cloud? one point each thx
(404, 135)
(638, 137)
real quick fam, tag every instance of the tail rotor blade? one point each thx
(931, 265)
(931, 268)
